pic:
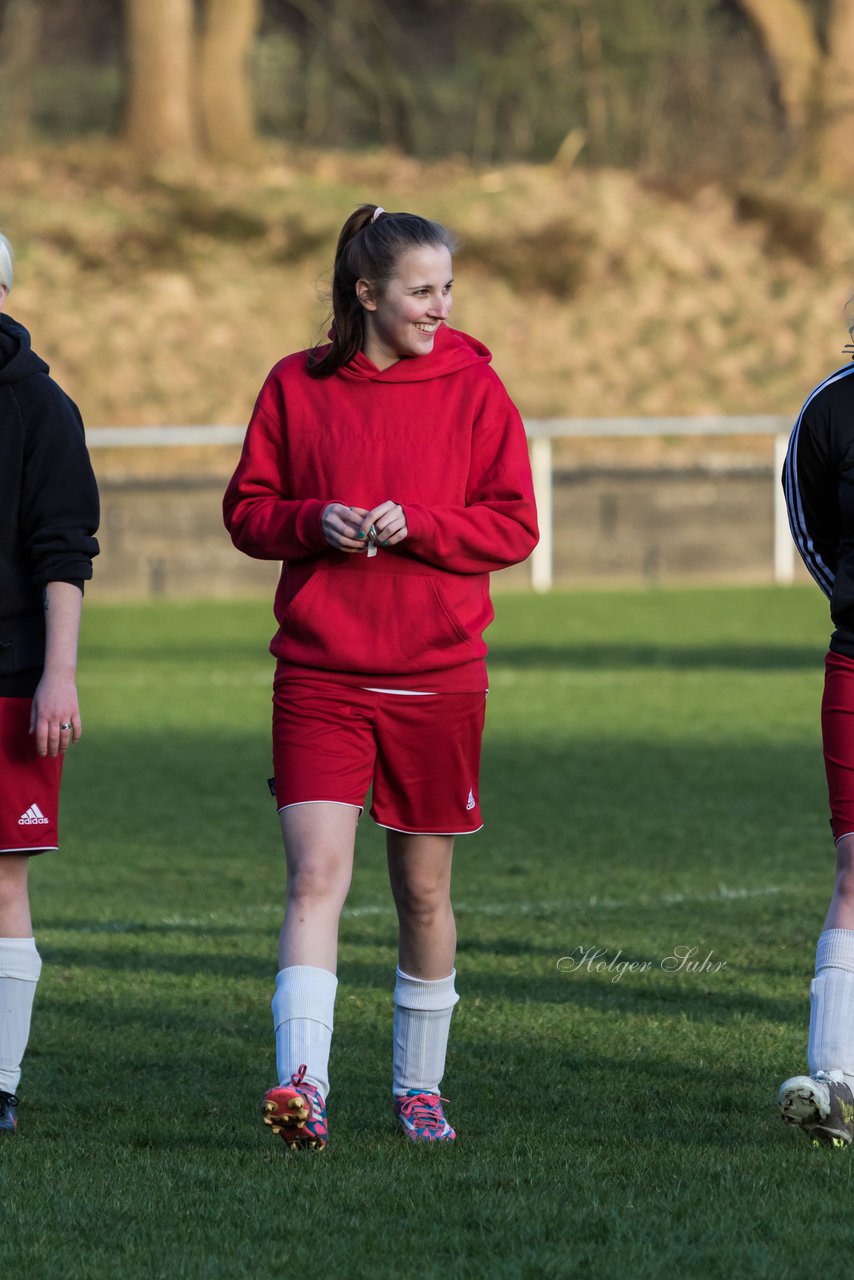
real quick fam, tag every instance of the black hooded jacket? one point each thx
(818, 479)
(48, 504)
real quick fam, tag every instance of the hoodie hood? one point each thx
(17, 358)
(452, 351)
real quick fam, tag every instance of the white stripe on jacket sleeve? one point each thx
(821, 572)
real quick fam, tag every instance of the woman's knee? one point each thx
(422, 898)
(319, 842)
(420, 873)
(318, 880)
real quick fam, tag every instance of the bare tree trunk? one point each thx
(224, 83)
(396, 103)
(483, 139)
(160, 104)
(595, 94)
(19, 41)
(377, 78)
(837, 134)
(791, 42)
(815, 87)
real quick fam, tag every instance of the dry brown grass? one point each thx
(167, 302)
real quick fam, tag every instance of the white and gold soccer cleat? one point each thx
(822, 1106)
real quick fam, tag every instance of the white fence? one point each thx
(541, 433)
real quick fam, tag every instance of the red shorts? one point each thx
(837, 732)
(29, 785)
(421, 753)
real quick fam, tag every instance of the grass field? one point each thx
(652, 781)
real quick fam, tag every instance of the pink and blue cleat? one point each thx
(421, 1117)
(296, 1113)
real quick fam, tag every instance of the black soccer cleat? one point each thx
(8, 1112)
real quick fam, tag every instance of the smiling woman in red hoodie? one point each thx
(389, 472)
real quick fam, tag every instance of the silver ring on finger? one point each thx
(66, 726)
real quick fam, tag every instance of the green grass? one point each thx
(652, 780)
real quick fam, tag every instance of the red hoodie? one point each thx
(437, 434)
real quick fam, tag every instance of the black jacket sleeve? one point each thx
(811, 483)
(59, 498)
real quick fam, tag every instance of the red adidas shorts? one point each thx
(837, 732)
(29, 785)
(420, 753)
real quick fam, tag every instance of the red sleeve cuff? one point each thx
(415, 521)
(309, 530)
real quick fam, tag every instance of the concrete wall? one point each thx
(164, 537)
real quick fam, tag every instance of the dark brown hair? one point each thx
(368, 249)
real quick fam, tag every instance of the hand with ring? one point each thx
(55, 717)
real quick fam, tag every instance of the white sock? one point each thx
(302, 1016)
(422, 1020)
(20, 966)
(831, 1042)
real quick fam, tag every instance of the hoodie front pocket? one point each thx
(367, 622)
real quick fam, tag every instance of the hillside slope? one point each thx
(169, 301)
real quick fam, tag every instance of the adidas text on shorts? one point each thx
(29, 785)
(420, 754)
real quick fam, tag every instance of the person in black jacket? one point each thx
(818, 479)
(48, 516)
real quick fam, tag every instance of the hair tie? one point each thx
(378, 212)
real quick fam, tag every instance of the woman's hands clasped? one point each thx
(353, 529)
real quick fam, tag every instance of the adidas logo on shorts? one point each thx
(471, 802)
(33, 817)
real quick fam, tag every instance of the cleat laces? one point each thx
(424, 1111)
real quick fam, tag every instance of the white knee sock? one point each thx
(302, 1016)
(20, 966)
(422, 1020)
(831, 1042)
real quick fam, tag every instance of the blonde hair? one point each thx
(7, 270)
